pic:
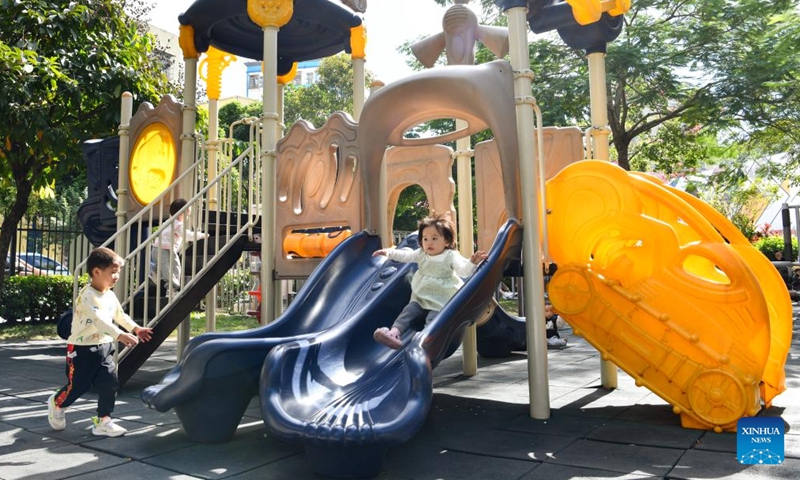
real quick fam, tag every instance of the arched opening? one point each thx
(408, 206)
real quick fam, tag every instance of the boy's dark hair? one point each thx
(102, 258)
(441, 222)
(176, 205)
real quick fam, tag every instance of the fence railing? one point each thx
(47, 245)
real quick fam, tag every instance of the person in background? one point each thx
(91, 345)
(554, 340)
(552, 321)
(166, 252)
(437, 279)
(785, 271)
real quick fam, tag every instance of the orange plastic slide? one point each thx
(670, 291)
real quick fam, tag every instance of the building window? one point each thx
(255, 81)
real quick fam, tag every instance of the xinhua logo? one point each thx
(759, 440)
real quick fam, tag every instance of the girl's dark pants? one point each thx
(412, 313)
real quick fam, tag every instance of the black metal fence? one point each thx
(47, 245)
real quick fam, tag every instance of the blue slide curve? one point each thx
(348, 398)
(218, 373)
(502, 334)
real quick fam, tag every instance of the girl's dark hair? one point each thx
(102, 258)
(176, 205)
(441, 222)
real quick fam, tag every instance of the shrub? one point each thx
(36, 298)
(774, 243)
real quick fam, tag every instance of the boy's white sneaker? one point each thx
(106, 427)
(555, 342)
(55, 415)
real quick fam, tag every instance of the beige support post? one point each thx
(599, 105)
(121, 246)
(270, 15)
(189, 110)
(283, 80)
(213, 203)
(281, 286)
(466, 234)
(600, 133)
(212, 145)
(533, 285)
(358, 44)
(387, 239)
(280, 109)
(211, 69)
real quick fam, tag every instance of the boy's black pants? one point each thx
(90, 366)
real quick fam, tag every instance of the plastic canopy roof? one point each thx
(318, 29)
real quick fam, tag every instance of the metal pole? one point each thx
(122, 184)
(533, 284)
(189, 111)
(358, 42)
(280, 125)
(270, 16)
(599, 102)
(787, 233)
(269, 140)
(215, 63)
(796, 223)
(600, 132)
(469, 352)
(359, 93)
(213, 204)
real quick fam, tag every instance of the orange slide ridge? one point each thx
(670, 291)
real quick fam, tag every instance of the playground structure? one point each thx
(658, 281)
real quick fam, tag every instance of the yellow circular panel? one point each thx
(153, 162)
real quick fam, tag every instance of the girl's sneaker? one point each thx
(555, 342)
(106, 427)
(55, 415)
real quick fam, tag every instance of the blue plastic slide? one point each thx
(218, 373)
(348, 398)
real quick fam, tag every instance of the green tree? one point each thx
(739, 193)
(63, 68)
(708, 63)
(332, 92)
(235, 111)
(710, 67)
(675, 148)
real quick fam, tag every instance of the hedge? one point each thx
(774, 243)
(35, 298)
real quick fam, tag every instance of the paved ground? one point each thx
(478, 428)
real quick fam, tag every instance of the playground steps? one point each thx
(175, 313)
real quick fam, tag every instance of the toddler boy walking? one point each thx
(90, 347)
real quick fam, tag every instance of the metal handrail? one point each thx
(235, 197)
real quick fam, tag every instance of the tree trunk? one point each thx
(622, 145)
(11, 221)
